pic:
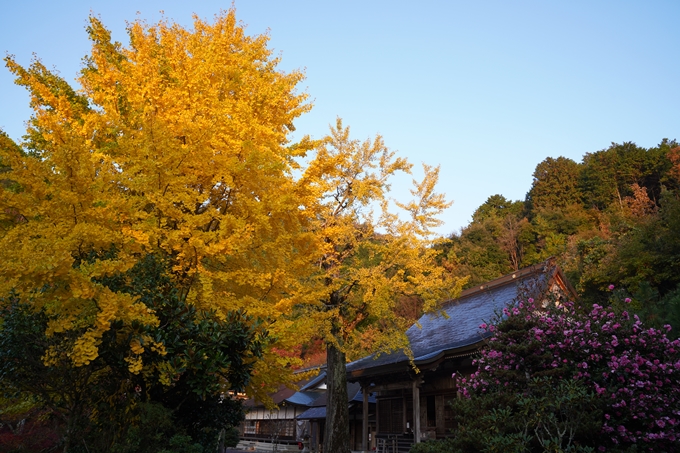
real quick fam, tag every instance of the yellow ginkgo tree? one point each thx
(176, 145)
(370, 258)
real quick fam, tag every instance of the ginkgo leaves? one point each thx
(175, 145)
(369, 260)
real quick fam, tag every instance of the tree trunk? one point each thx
(336, 438)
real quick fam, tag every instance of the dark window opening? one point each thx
(431, 412)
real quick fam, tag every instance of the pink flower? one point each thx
(627, 300)
(637, 388)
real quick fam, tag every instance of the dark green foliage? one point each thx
(103, 405)
(642, 255)
(545, 418)
(608, 175)
(68, 392)
(477, 253)
(435, 446)
(555, 184)
(156, 432)
(497, 206)
(494, 243)
(208, 355)
(229, 438)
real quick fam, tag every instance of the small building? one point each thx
(300, 416)
(412, 405)
(278, 429)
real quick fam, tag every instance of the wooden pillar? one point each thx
(416, 410)
(440, 402)
(365, 390)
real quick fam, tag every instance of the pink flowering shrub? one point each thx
(631, 372)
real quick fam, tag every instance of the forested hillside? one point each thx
(611, 219)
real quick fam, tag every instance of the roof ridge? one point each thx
(539, 268)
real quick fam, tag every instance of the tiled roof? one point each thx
(440, 335)
(303, 398)
(281, 395)
(313, 413)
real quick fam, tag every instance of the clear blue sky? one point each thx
(485, 89)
